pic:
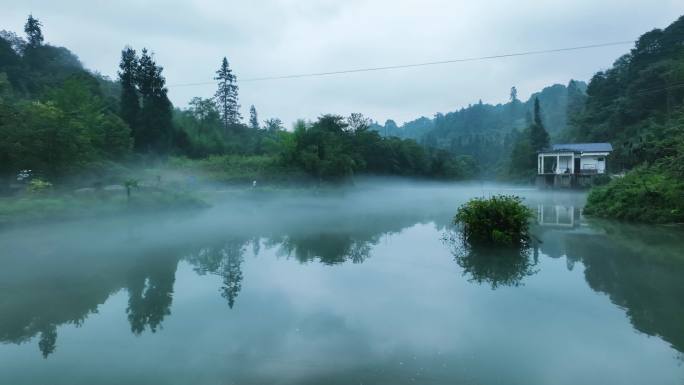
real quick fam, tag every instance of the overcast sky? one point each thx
(281, 37)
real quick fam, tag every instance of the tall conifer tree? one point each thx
(130, 103)
(34, 34)
(155, 124)
(253, 118)
(539, 138)
(227, 95)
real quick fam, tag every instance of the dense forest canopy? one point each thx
(638, 105)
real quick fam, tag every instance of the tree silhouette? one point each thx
(48, 341)
(253, 118)
(227, 95)
(151, 295)
(34, 34)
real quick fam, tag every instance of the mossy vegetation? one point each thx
(501, 220)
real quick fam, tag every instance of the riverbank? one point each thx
(31, 208)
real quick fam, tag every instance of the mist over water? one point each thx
(346, 286)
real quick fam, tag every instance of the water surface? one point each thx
(357, 287)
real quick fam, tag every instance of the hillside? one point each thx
(638, 105)
(487, 132)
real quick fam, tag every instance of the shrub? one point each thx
(37, 186)
(499, 220)
(646, 194)
(600, 180)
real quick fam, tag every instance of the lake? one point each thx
(366, 285)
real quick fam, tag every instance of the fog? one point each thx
(363, 212)
(370, 205)
(355, 283)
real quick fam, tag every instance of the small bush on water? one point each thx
(499, 220)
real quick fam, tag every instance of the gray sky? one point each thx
(280, 37)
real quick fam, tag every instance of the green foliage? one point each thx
(646, 194)
(54, 116)
(240, 169)
(38, 186)
(62, 135)
(628, 104)
(334, 149)
(253, 118)
(523, 161)
(496, 266)
(37, 207)
(539, 138)
(654, 191)
(499, 220)
(488, 133)
(129, 109)
(130, 184)
(33, 32)
(638, 105)
(227, 96)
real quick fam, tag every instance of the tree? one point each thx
(16, 42)
(273, 125)
(33, 32)
(253, 119)
(391, 128)
(358, 122)
(227, 95)
(130, 104)
(539, 138)
(155, 129)
(514, 94)
(205, 113)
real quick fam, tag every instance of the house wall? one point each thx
(564, 163)
(592, 162)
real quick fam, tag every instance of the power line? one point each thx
(659, 89)
(414, 65)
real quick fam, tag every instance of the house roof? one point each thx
(583, 147)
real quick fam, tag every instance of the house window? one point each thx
(601, 159)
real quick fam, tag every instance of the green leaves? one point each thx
(499, 220)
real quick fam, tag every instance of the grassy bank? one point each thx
(29, 208)
(240, 170)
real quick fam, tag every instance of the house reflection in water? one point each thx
(558, 216)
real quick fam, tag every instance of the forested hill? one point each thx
(637, 103)
(55, 116)
(638, 106)
(487, 132)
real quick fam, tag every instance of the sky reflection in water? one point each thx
(358, 287)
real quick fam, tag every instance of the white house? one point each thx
(574, 159)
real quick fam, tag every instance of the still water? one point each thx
(363, 286)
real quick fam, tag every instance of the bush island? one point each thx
(499, 220)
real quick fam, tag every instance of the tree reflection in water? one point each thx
(151, 294)
(225, 261)
(328, 248)
(496, 266)
(48, 341)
